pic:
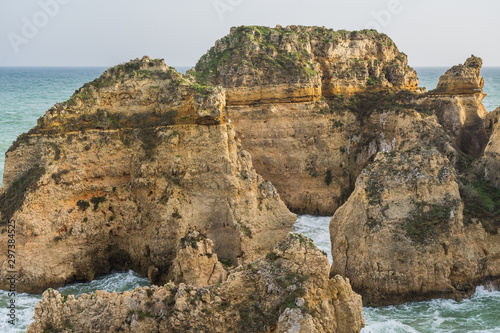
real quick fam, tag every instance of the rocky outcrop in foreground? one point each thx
(288, 290)
(115, 177)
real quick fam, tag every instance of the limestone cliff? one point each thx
(297, 64)
(300, 97)
(402, 234)
(313, 106)
(288, 290)
(114, 177)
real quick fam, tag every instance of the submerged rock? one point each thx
(288, 290)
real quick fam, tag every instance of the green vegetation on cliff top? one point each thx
(263, 49)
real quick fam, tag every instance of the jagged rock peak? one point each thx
(316, 58)
(462, 79)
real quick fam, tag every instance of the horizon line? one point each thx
(190, 66)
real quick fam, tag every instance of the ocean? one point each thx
(26, 93)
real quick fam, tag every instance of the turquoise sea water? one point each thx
(478, 314)
(26, 93)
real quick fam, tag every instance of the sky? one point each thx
(109, 32)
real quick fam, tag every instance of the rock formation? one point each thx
(196, 264)
(401, 235)
(142, 169)
(114, 177)
(330, 118)
(277, 293)
(457, 102)
(417, 226)
(299, 96)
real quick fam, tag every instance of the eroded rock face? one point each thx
(196, 264)
(491, 159)
(457, 101)
(278, 293)
(298, 64)
(114, 178)
(313, 106)
(314, 158)
(280, 85)
(462, 79)
(401, 235)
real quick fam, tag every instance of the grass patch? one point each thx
(83, 205)
(226, 262)
(96, 201)
(13, 198)
(481, 201)
(328, 177)
(427, 222)
(58, 175)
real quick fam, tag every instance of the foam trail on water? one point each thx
(316, 228)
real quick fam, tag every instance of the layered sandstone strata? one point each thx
(299, 98)
(288, 290)
(114, 177)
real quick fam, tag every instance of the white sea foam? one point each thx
(389, 326)
(316, 228)
(480, 313)
(25, 303)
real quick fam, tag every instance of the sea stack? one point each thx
(116, 176)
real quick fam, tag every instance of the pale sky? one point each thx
(108, 32)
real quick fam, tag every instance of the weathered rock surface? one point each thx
(462, 79)
(491, 158)
(113, 179)
(457, 102)
(298, 64)
(301, 100)
(401, 235)
(196, 264)
(287, 291)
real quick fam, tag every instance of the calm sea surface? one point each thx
(26, 93)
